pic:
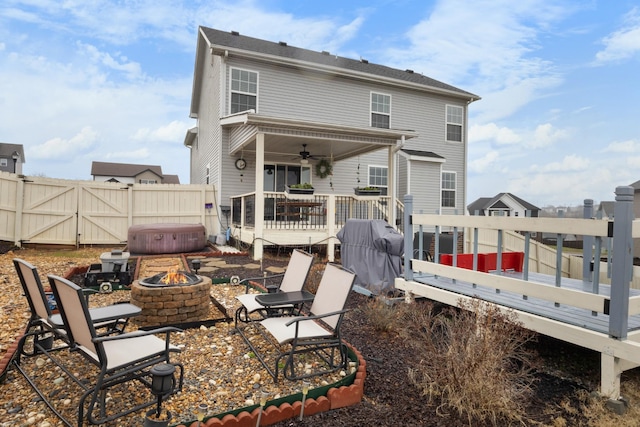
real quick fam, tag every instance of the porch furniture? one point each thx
(109, 320)
(279, 299)
(120, 358)
(316, 334)
(293, 280)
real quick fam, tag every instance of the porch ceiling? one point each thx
(284, 138)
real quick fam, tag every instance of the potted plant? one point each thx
(304, 188)
(367, 191)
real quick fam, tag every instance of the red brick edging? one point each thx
(335, 398)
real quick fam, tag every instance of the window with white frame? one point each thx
(3, 162)
(454, 123)
(448, 189)
(207, 173)
(380, 110)
(244, 90)
(148, 181)
(378, 178)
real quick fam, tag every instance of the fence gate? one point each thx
(49, 212)
(103, 214)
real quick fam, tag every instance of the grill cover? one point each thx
(373, 250)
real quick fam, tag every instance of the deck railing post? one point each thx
(587, 245)
(408, 234)
(622, 263)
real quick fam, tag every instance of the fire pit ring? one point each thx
(171, 304)
(171, 278)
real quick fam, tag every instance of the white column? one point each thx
(259, 201)
(331, 227)
(391, 185)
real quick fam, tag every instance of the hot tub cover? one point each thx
(373, 250)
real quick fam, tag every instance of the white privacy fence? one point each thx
(39, 210)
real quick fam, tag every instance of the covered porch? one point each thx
(284, 152)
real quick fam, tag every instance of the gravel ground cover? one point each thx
(566, 372)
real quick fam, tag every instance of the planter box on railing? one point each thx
(367, 191)
(294, 190)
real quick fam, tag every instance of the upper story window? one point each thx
(244, 90)
(448, 189)
(148, 181)
(380, 110)
(454, 123)
(3, 162)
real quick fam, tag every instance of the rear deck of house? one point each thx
(601, 317)
(306, 219)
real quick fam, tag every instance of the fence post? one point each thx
(587, 244)
(17, 231)
(622, 262)
(408, 236)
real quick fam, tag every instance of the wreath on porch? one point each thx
(324, 168)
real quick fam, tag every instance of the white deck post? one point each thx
(258, 243)
(331, 227)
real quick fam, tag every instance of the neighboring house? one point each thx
(11, 158)
(503, 204)
(131, 173)
(271, 115)
(605, 210)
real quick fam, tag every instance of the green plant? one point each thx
(305, 186)
(475, 361)
(368, 188)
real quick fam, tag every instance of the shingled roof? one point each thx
(122, 169)
(234, 41)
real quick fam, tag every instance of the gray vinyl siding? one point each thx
(319, 97)
(425, 176)
(402, 177)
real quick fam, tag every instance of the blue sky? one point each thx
(111, 80)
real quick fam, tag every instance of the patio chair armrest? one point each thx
(303, 318)
(87, 292)
(263, 278)
(139, 333)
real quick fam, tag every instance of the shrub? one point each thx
(476, 362)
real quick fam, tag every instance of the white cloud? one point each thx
(628, 146)
(120, 63)
(60, 148)
(174, 131)
(484, 163)
(546, 135)
(623, 43)
(491, 131)
(570, 163)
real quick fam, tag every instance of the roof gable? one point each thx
(223, 43)
(123, 169)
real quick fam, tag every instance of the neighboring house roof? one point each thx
(223, 43)
(635, 185)
(484, 203)
(7, 150)
(171, 179)
(130, 171)
(606, 208)
(122, 169)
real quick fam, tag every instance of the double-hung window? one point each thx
(378, 177)
(244, 90)
(454, 123)
(3, 162)
(380, 110)
(448, 189)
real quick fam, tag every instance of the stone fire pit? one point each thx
(171, 303)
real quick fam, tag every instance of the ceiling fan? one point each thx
(305, 155)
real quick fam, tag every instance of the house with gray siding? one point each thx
(270, 115)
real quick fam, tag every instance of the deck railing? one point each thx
(285, 211)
